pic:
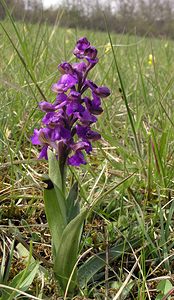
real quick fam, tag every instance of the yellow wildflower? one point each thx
(151, 60)
(107, 47)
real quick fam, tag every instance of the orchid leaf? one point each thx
(54, 200)
(55, 216)
(72, 202)
(54, 170)
(56, 179)
(98, 261)
(67, 253)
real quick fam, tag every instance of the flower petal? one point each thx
(65, 68)
(35, 137)
(77, 159)
(43, 153)
(66, 82)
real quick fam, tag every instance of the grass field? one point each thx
(130, 173)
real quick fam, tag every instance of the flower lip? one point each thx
(41, 136)
(43, 153)
(77, 159)
(73, 107)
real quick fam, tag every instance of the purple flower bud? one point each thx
(93, 135)
(90, 52)
(102, 91)
(46, 106)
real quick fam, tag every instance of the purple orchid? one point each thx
(67, 121)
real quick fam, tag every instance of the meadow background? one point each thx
(130, 173)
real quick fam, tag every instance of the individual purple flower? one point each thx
(86, 133)
(77, 159)
(74, 106)
(53, 118)
(65, 68)
(86, 117)
(90, 54)
(101, 91)
(67, 122)
(86, 145)
(66, 82)
(42, 137)
(83, 49)
(81, 45)
(93, 106)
